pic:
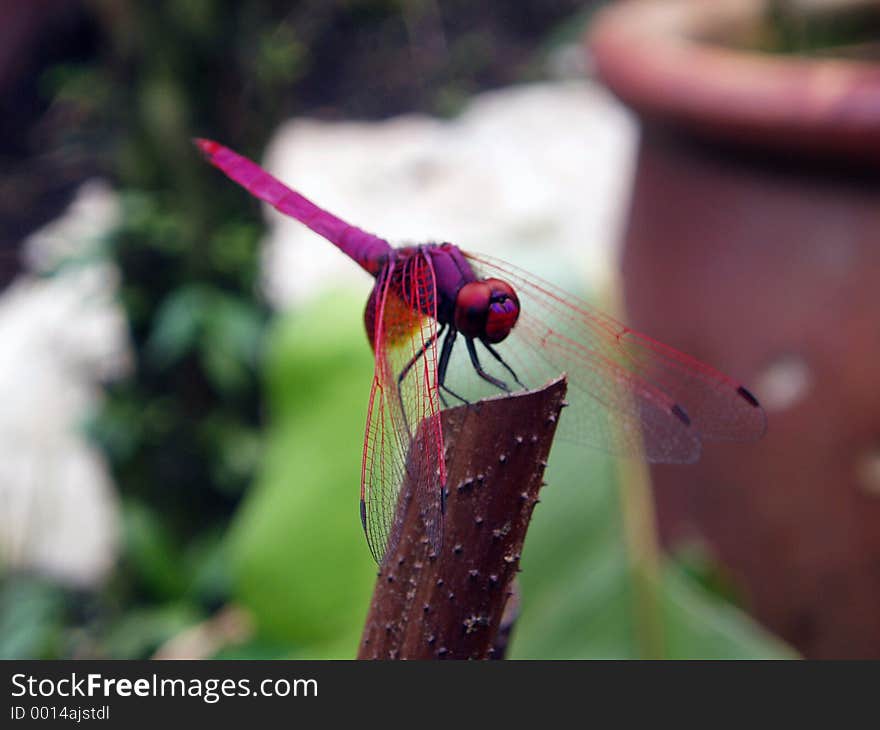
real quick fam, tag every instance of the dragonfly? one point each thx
(447, 326)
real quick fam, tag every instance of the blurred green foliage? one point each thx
(31, 618)
(183, 435)
(297, 549)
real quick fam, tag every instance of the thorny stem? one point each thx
(451, 605)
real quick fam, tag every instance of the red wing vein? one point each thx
(403, 425)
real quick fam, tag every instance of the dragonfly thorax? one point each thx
(486, 309)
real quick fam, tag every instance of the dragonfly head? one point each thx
(486, 309)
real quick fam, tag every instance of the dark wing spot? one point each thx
(748, 397)
(680, 414)
(364, 515)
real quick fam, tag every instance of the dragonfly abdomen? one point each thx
(367, 250)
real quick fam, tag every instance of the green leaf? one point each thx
(699, 625)
(582, 597)
(31, 616)
(230, 341)
(227, 332)
(298, 554)
(150, 551)
(178, 324)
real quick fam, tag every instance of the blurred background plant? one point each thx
(233, 439)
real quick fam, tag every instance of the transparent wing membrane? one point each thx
(629, 394)
(404, 442)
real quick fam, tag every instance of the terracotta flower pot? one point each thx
(753, 242)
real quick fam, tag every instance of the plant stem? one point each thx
(450, 605)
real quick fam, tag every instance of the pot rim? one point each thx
(662, 58)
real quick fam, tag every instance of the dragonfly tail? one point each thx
(368, 250)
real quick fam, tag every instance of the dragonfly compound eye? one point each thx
(486, 309)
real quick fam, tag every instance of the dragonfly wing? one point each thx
(629, 393)
(404, 441)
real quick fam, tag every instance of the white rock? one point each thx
(61, 335)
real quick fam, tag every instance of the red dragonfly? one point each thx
(629, 395)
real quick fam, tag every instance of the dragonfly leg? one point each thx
(406, 368)
(405, 371)
(494, 353)
(475, 361)
(443, 364)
